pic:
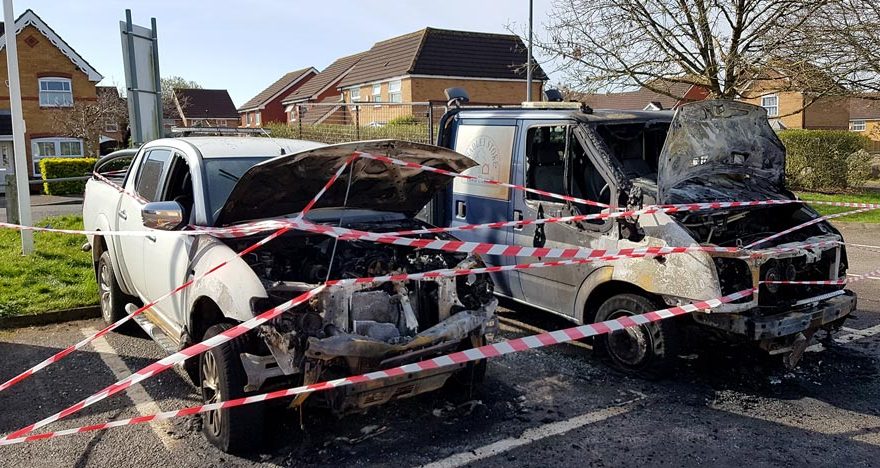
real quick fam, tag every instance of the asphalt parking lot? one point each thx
(558, 405)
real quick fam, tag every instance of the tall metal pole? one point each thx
(529, 57)
(19, 154)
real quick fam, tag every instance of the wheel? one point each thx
(648, 351)
(473, 374)
(113, 300)
(222, 378)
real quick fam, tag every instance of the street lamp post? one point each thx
(529, 57)
(19, 155)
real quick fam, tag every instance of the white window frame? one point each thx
(47, 93)
(858, 125)
(355, 94)
(374, 96)
(56, 142)
(111, 127)
(768, 107)
(257, 120)
(395, 93)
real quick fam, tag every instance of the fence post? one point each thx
(357, 122)
(431, 124)
(11, 200)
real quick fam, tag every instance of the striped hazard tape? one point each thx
(65, 352)
(483, 352)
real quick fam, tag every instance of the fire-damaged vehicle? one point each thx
(344, 330)
(704, 152)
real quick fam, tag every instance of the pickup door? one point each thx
(150, 169)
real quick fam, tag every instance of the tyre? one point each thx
(222, 378)
(648, 351)
(113, 300)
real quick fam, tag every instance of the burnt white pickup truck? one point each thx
(223, 181)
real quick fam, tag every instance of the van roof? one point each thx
(598, 115)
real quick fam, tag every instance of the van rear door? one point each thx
(491, 143)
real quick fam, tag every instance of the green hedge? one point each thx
(55, 168)
(334, 133)
(825, 160)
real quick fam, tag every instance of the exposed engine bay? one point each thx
(357, 328)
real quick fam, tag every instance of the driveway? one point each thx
(44, 206)
(725, 406)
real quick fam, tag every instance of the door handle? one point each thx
(122, 214)
(518, 216)
(151, 238)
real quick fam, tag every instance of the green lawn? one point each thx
(867, 217)
(58, 275)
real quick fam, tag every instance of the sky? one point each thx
(243, 46)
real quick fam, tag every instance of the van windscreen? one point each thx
(635, 146)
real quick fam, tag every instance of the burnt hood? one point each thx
(285, 185)
(720, 143)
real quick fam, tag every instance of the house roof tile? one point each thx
(286, 81)
(638, 100)
(206, 103)
(327, 77)
(866, 107)
(442, 52)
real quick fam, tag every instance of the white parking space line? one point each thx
(509, 324)
(533, 435)
(849, 338)
(142, 401)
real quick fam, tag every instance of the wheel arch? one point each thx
(204, 314)
(598, 288)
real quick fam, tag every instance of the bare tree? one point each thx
(87, 119)
(169, 84)
(725, 45)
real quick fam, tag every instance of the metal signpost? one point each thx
(140, 54)
(21, 189)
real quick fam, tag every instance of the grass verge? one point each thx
(867, 217)
(58, 275)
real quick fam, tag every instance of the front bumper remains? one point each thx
(755, 327)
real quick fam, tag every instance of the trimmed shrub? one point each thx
(825, 160)
(405, 120)
(334, 133)
(56, 168)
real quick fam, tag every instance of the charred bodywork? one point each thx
(353, 329)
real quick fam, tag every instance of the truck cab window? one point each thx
(586, 181)
(545, 157)
(178, 186)
(150, 174)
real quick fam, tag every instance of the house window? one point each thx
(258, 118)
(55, 92)
(771, 104)
(857, 125)
(250, 119)
(355, 94)
(111, 128)
(377, 93)
(54, 148)
(394, 91)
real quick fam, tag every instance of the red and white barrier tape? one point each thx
(808, 223)
(63, 353)
(483, 352)
(850, 280)
(119, 188)
(411, 165)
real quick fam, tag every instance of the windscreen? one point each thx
(222, 174)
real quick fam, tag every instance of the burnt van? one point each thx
(703, 152)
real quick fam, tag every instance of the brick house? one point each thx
(266, 106)
(418, 66)
(114, 135)
(204, 108)
(791, 106)
(321, 89)
(675, 95)
(864, 117)
(53, 77)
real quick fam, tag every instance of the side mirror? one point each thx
(165, 215)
